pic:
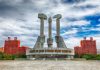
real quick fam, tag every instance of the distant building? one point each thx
(13, 47)
(98, 51)
(86, 47)
(1, 49)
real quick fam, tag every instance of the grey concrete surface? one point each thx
(49, 65)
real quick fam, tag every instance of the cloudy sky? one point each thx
(80, 18)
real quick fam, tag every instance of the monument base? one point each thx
(50, 53)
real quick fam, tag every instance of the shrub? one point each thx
(11, 57)
(88, 56)
(20, 56)
(97, 57)
(8, 57)
(1, 56)
(76, 56)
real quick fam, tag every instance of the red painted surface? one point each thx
(1, 49)
(13, 47)
(87, 47)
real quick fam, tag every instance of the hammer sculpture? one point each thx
(41, 39)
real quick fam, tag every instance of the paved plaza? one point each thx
(49, 65)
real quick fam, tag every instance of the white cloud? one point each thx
(65, 23)
(72, 42)
(97, 38)
(25, 19)
(80, 23)
(69, 32)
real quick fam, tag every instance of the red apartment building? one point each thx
(86, 47)
(13, 47)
